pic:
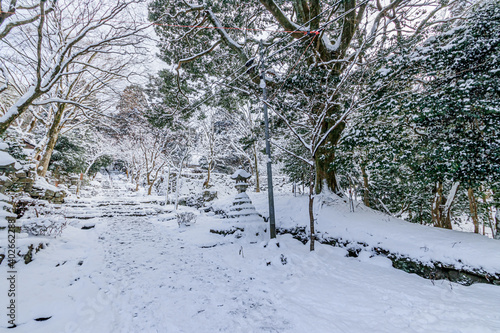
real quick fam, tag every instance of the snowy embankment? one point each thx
(134, 273)
(366, 230)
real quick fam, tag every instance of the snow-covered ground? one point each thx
(138, 271)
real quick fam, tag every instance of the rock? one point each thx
(35, 194)
(25, 180)
(20, 174)
(6, 182)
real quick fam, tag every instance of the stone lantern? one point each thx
(242, 207)
(241, 177)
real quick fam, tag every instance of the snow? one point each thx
(241, 173)
(43, 184)
(147, 274)
(14, 109)
(383, 71)
(331, 47)
(223, 32)
(364, 225)
(242, 195)
(6, 159)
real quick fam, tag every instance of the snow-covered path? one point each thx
(144, 274)
(169, 284)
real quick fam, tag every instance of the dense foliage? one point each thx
(436, 120)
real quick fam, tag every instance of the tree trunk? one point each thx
(366, 198)
(53, 134)
(79, 183)
(178, 188)
(311, 210)
(32, 125)
(473, 209)
(497, 222)
(207, 182)
(92, 163)
(325, 156)
(491, 221)
(437, 205)
(256, 162)
(148, 180)
(167, 186)
(446, 212)
(137, 178)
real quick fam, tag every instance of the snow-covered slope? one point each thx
(378, 230)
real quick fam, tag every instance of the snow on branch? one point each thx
(291, 127)
(382, 13)
(225, 36)
(425, 22)
(197, 56)
(308, 162)
(6, 77)
(278, 14)
(62, 101)
(13, 10)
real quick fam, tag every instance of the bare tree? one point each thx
(246, 123)
(65, 44)
(215, 139)
(76, 102)
(16, 15)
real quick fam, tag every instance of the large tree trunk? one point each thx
(325, 156)
(52, 135)
(154, 178)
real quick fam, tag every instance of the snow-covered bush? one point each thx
(45, 227)
(186, 218)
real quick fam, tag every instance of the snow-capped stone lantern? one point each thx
(249, 222)
(242, 207)
(241, 177)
